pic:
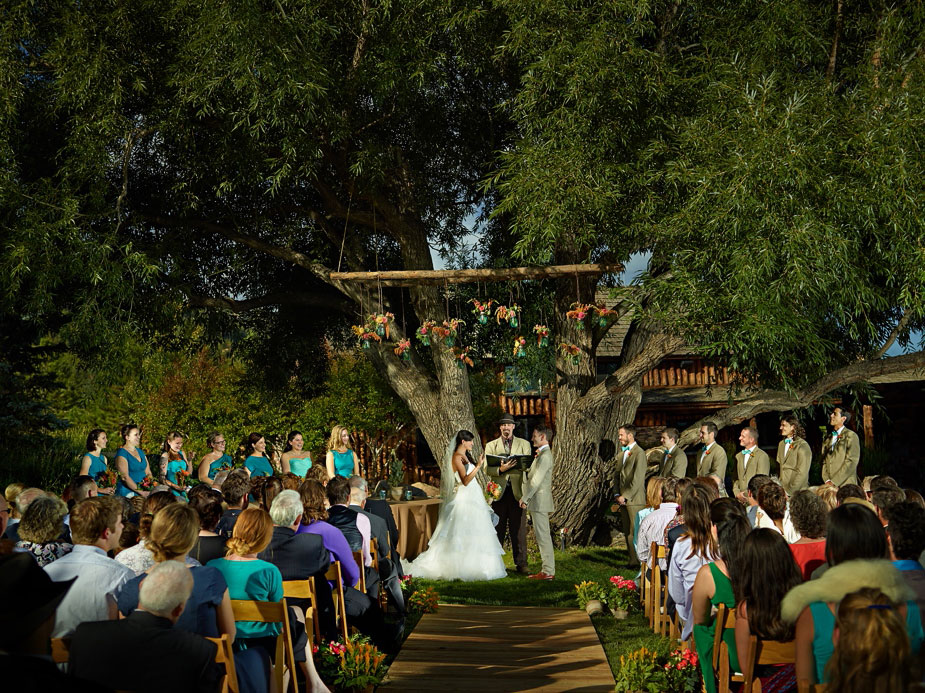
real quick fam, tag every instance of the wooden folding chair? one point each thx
(804, 686)
(760, 652)
(304, 589)
(645, 584)
(725, 619)
(374, 552)
(335, 576)
(661, 621)
(272, 612)
(361, 564)
(60, 650)
(224, 655)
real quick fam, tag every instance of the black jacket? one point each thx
(345, 520)
(298, 556)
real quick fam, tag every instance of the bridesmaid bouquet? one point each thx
(146, 484)
(182, 478)
(107, 479)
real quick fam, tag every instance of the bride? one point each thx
(464, 545)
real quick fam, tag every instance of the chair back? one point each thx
(763, 652)
(60, 650)
(335, 576)
(272, 612)
(804, 686)
(361, 564)
(304, 589)
(224, 656)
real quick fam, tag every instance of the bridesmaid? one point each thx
(93, 463)
(341, 459)
(215, 460)
(294, 459)
(172, 461)
(255, 452)
(131, 463)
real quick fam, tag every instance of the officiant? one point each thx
(511, 517)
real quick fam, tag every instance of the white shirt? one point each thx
(652, 528)
(139, 558)
(681, 575)
(706, 449)
(835, 438)
(99, 578)
(786, 447)
(746, 458)
(629, 449)
(365, 532)
(765, 522)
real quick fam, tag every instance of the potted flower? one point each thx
(588, 594)
(682, 671)
(621, 596)
(641, 670)
(355, 665)
(423, 600)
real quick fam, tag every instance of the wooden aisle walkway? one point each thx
(496, 649)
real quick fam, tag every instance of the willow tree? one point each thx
(769, 157)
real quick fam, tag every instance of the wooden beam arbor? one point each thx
(470, 276)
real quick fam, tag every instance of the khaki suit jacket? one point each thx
(519, 446)
(633, 476)
(840, 464)
(673, 463)
(794, 466)
(759, 463)
(538, 484)
(713, 462)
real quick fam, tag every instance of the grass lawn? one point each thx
(572, 566)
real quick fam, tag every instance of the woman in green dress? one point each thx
(713, 587)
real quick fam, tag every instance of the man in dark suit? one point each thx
(381, 508)
(144, 652)
(348, 521)
(386, 571)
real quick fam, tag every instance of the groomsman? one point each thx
(632, 496)
(511, 516)
(537, 499)
(674, 460)
(793, 456)
(713, 458)
(841, 454)
(750, 460)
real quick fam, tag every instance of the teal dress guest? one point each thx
(343, 463)
(257, 580)
(97, 465)
(136, 470)
(174, 466)
(223, 462)
(258, 466)
(300, 467)
(340, 460)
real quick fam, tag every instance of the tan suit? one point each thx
(759, 463)
(519, 446)
(713, 461)
(794, 466)
(633, 489)
(511, 517)
(538, 498)
(673, 463)
(840, 464)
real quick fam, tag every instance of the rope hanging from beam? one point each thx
(468, 276)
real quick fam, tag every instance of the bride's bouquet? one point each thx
(492, 492)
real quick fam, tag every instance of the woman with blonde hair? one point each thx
(40, 530)
(871, 650)
(653, 501)
(341, 460)
(829, 495)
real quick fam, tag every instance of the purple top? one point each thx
(335, 542)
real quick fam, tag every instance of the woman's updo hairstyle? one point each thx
(126, 429)
(252, 532)
(154, 503)
(173, 533)
(91, 439)
(250, 442)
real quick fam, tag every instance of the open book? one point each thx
(523, 461)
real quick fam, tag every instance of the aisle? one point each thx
(493, 649)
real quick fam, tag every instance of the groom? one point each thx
(507, 507)
(537, 499)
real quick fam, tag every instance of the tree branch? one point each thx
(900, 326)
(294, 298)
(833, 51)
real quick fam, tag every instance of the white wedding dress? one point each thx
(464, 546)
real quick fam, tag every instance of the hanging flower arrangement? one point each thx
(366, 334)
(381, 322)
(509, 313)
(423, 333)
(403, 350)
(462, 357)
(451, 330)
(481, 310)
(578, 313)
(519, 347)
(542, 335)
(604, 314)
(570, 352)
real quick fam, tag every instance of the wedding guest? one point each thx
(653, 501)
(671, 529)
(182, 661)
(772, 511)
(139, 558)
(632, 497)
(4, 514)
(81, 488)
(255, 452)
(652, 528)
(764, 573)
(96, 526)
(295, 458)
(674, 459)
(713, 587)
(94, 463)
(209, 544)
(215, 460)
(848, 491)
(808, 513)
(386, 571)
(694, 549)
(913, 496)
(751, 498)
(884, 498)
(829, 495)
(906, 538)
(22, 501)
(131, 463)
(234, 492)
(341, 460)
(291, 482)
(872, 651)
(11, 493)
(841, 454)
(317, 473)
(355, 527)
(41, 528)
(269, 488)
(173, 460)
(793, 456)
(750, 460)
(855, 548)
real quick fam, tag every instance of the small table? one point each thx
(416, 521)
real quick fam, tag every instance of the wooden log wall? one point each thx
(669, 373)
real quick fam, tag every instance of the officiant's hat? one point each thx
(27, 596)
(506, 419)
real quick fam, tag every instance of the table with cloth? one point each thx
(416, 521)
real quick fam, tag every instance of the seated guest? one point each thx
(355, 527)
(849, 491)
(772, 511)
(693, 550)
(913, 496)
(387, 571)
(671, 529)
(234, 491)
(209, 544)
(653, 500)
(884, 498)
(317, 473)
(652, 528)
(872, 649)
(179, 660)
(761, 577)
(381, 509)
(41, 528)
(712, 586)
(291, 482)
(270, 487)
(828, 494)
(754, 485)
(808, 513)
(138, 557)
(906, 538)
(23, 500)
(96, 525)
(83, 487)
(10, 494)
(855, 549)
